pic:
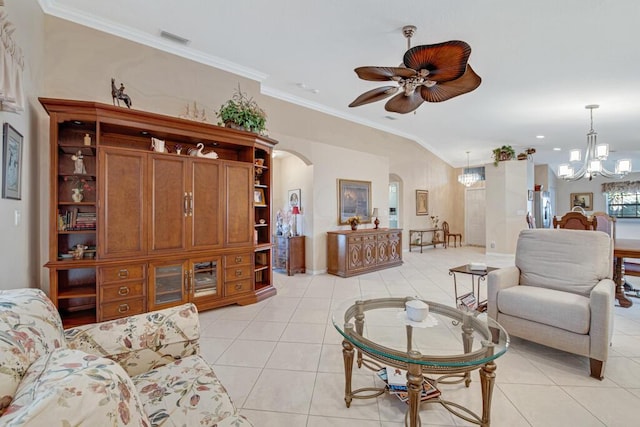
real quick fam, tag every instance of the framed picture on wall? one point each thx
(12, 163)
(584, 200)
(354, 199)
(422, 202)
(295, 199)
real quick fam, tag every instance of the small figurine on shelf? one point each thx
(78, 251)
(78, 162)
(87, 139)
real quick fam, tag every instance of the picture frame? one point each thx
(354, 199)
(12, 142)
(584, 200)
(294, 198)
(258, 197)
(422, 202)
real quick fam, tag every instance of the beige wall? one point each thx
(20, 260)
(67, 60)
(507, 203)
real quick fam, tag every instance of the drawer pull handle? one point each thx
(238, 259)
(123, 290)
(238, 287)
(123, 308)
(123, 274)
(238, 273)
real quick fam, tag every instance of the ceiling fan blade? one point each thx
(447, 90)
(374, 95)
(381, 74)
(445, 61)
(403, 104)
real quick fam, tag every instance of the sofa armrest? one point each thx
(142, 342)
(602, 298)
(496, 281)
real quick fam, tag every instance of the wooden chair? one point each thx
(605, 223)
(575, 221)
(531, 222)
(448, 235)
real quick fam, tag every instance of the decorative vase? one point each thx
(76, 195)
(354, 226)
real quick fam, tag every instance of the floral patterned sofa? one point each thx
(138, 371)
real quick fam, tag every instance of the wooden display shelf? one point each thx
(77, 292)
(72, 319)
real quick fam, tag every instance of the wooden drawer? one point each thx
(128, 272)
(238, 273)
(355, 239)
(124, 308)
(237, 287)
(241, 259)
(121, 291)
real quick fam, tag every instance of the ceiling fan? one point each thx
(432, 73)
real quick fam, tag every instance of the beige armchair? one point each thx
(560, 293)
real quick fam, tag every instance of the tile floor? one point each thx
(281, 359)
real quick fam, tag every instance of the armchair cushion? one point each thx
(562, 310)
(556, 259)
(143, 342)
(30, 327)
(73, 388)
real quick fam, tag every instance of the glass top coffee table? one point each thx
(443, 349)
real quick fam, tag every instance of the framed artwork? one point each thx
(422, 202)
(295, 199)
(354, 199)
(584, 200)
(258, 197)
(12, 163)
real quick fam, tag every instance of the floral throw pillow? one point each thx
(70, 387)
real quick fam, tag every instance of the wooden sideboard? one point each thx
(350, 253)
(289, 254)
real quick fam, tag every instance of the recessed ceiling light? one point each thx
(144, 132)
(540, 136)
(557, 149)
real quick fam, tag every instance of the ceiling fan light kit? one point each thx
(431, 73)
(594, 157)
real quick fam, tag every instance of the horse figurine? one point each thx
(118, 94)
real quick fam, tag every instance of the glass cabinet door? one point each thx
(168, 284)
(205, 279)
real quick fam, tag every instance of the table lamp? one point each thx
(295, 211)
(375, 214)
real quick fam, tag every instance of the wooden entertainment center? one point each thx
(154, 229)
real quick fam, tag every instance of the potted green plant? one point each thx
(506, 152)
(242, 112)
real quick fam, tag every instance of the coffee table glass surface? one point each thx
(444, 348)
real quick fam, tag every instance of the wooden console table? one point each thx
(435, 239)
(350, 253)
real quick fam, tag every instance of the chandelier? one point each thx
(466, 178)
(594, 157)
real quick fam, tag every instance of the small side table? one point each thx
(289, 254)
(476, 277)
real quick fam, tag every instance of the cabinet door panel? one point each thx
(206, 220)
(239, 203)
(122, 230)
(167, 284)
(169, 203)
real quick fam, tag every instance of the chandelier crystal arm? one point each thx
(594, 157)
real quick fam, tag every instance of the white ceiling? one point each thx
(540, 61)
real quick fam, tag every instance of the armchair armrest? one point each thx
(142, 342)
(601, 329)
(496, 281)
